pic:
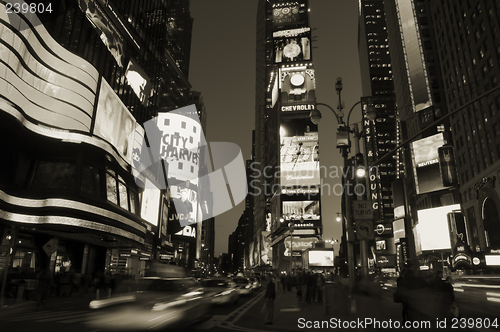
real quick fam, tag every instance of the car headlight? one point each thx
(248, 286)
(163, 306)
(224, 293)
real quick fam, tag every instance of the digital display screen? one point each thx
(285, 13)
(432, 229)
(114, 123)
(299, 154)
(150, 205)
(426, 163)
(298, 88)
(292, 45)
(323, 258)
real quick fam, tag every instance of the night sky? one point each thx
(223, 69)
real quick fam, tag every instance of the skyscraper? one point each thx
(381, 136)
(287, 197)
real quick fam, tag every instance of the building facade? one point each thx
(381, 135)
(78, 81)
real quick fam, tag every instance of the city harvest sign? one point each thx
(297, 108)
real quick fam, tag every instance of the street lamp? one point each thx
(343, 142)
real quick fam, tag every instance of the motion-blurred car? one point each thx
(243, 285)
(255, 283)
(157, 303)
(220, 290)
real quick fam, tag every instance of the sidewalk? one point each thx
(53, 303)
(292, 315)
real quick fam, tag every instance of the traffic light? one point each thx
(447, 166)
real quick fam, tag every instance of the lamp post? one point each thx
(343, 142)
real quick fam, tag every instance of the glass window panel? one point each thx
(55, 175)
(123, 195)
(111, 188)
(133, 201)
(90, 180)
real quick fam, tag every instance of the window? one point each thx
(90, 180)
(55, 175)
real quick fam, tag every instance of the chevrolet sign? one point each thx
(295, 108)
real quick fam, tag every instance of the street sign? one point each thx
(364, 230)
(50, 247)
(362, 210)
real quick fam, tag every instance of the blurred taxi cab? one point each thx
(156, 303)
(243, 286)
(220, 290)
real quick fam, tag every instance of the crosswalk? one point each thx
(45, 316)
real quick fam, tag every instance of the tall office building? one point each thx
(286, 142)
(77, 81)
(471, 76)
(433, 88)
(381, 135)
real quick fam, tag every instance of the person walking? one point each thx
(270, 296)
(448, 297)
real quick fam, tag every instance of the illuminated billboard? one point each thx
(292, 45)
(413, 52)
(138, 81)
(180, 145)
(114, 123)
(150, 205)
(106, 29)
(289, 12)
(47, 83)
(432, 231)
(297, 89)
(266, 251)
(299, 154)
(300, 243)
(426, 163)
(301, 210)
(321, 258)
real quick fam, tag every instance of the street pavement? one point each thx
(291, 314)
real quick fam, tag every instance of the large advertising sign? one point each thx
(299, 154)
(139, 81)
(426, 163)
(290, 12)
(415, 65)
(180, 146)
(50, 86)
(321, 258)
(300, 243)
(432, 231)
(106, 29)
(301, 211)
(150, 207)
(297, 89)
(114, 123)
(266, 251)
(292, 45)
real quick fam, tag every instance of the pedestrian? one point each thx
(270, 296)
(44, 279)
(309, 286)
(448, 296)
(438, 290)
(303, 285)
(400, 296)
